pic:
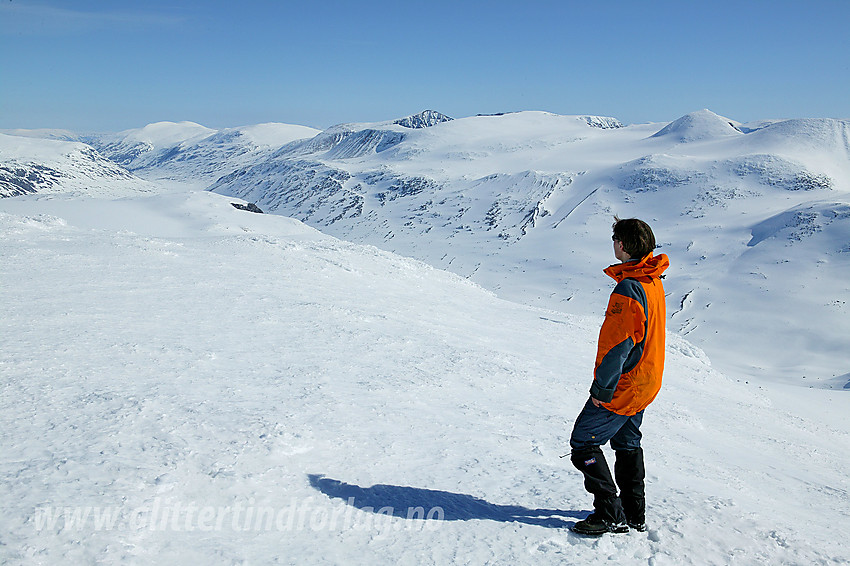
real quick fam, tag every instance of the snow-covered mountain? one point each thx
(522, 202)
(424, 119)
(30, 164)
(186, 382)
(44, 133)
(192, 153)
(754, 216)
(697, 126)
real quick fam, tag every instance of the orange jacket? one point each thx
(630, 357)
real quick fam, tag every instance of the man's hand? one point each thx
(596, 402)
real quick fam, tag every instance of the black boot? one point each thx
(630, 474)
(608, 516)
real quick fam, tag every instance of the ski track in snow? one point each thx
(218, 359)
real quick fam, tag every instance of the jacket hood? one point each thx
(645, 269)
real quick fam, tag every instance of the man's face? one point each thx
(619, 252)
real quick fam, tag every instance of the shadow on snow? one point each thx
(399, 500)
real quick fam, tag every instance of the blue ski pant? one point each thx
(596, 426)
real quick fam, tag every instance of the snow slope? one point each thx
(193, 154)
(697, 126)
(30, 164)
(522, 202)
(211, 386)
(753, 215)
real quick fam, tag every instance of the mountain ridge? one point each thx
(520, 203)
(32, 165)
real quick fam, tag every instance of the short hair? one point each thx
(635, 235)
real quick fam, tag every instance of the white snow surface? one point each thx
(753, 216)
(697, 126)
(42, 133)
(192, 155)
(30, 164)
(187, 383)
(165, 134)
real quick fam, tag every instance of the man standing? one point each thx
(627, 377)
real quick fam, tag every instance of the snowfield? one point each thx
(755, 216)
(33, 165)
(188, 383)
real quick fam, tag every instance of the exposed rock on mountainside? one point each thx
(250, 207)
(189, 151)
(424, 119)
(24, 179)
(30, 165)
(602, 122)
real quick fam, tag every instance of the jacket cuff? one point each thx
(601, 394)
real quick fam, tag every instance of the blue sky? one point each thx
(112, 65)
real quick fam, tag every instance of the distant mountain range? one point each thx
(54, 165)
(755, 217)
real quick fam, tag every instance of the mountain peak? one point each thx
(602, 122)
(701, 125)
(161, 134)
(424, 119)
